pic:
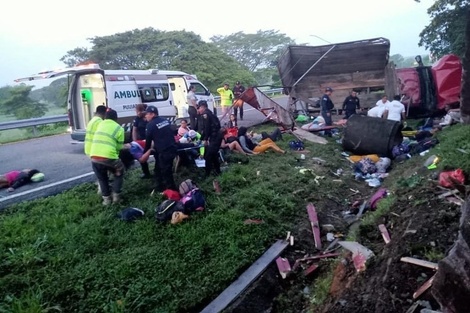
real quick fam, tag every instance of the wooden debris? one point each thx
(312, 268)
(419, 262)
(447, 194)
(245, 279)
(283, 266)
(384, 232)
(320, 256)
(331, 246)
(312, 216)
(427, 284)
(291, 240)
(455, 200)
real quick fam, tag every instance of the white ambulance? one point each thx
(122, 90)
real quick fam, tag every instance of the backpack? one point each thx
(193, 201)
(296, 145)
(165, 210)
(400, 149)
(186, 186)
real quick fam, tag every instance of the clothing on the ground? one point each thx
(90, 132)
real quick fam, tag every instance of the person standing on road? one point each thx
(211, 137)
(395, 110)
(160, 132)
(238, 89)
(138, 133)
(326, 105)
(91, 127)
(351, 104)
(226, 98)
(192, 107)
(107, 142)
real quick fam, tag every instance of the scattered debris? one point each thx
(216, 185)
(360, 254)
(312, 268)
(384, 232)
(283, 266)
(447, 194)
(424, 287)
(328, 227)
(330, 237)
(312, 216)
(253, 221)
(419, 262)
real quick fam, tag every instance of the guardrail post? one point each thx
(35, 131)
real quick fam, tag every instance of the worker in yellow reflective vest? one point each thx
(92, 125)
(226, 98)
(108, 140)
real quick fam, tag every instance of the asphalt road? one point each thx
(64, 164)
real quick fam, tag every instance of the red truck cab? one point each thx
(429, 89)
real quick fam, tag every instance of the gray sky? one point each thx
(34, 35)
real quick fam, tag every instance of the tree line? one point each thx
(249, 58)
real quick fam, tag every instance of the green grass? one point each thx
(70, 252)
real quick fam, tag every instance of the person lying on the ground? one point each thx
(255, 148)
(453, 116)
(233, 145)
(15, 179)
(134, 151)
(275, 135)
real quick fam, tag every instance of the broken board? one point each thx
(312, 216)
(306, 135)
(245, 279)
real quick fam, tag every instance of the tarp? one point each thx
(272, 110)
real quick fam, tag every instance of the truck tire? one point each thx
(371, 135)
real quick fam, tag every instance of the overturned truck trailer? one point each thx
(362, 66)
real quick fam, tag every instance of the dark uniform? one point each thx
(237, 90)
(326, 106)
(211, 132)
(141, 125)
(159, 131)
(350, 105)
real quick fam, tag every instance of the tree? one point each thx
(173, 50)
(446, 32)
(257, 52)
(21, 105)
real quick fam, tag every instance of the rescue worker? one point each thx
(211, 137)
(160, 132)
(192, 107)
(351, 104)
(326, 105)
(91, 127)
(238, 89)
(107, 142)
(226, 98)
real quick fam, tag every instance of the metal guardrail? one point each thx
(33, 122)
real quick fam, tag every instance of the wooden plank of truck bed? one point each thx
(245, 279)
(312, 216)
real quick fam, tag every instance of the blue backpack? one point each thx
(296, 145)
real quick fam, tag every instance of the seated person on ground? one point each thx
(15, 179)
(251, 147)
(231, 145)
(188, 143)
(183, 129)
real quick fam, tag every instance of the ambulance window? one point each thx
(172, 86)
(154, 93)
(200, 90)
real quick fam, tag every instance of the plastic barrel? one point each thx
(371, 135)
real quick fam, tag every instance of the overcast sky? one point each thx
(34, 35)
